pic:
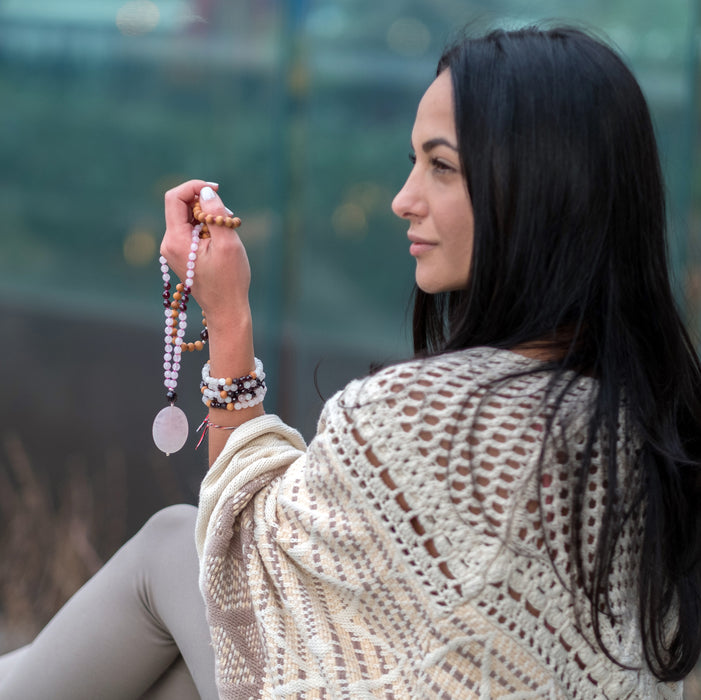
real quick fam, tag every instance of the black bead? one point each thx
(204, 335)
(171, 396)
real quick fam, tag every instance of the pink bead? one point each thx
(170, 429)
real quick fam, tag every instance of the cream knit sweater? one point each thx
(403, 554)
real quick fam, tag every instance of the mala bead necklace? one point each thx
(204, 219)
(170, 427)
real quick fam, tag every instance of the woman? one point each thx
(513, 512)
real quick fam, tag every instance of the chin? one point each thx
(438, 286)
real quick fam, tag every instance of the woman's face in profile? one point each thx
(434, 199)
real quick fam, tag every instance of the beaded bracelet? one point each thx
(233, 394)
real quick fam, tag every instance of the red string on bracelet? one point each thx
(207, 424)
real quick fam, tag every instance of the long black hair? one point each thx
(559, 155)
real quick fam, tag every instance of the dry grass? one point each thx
(47, 542)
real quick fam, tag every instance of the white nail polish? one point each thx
(207, 193)
(228, 211)
(213, 184)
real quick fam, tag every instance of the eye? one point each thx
(441, 166)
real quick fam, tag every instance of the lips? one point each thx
(419, 245)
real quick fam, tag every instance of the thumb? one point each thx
(212, 212)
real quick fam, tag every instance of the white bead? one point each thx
(192, 256)
(164, 268)
(183, 316)
(178, 342)
(190, 265)
(166, 365)
(166, 277)
(193, 247)
(181, 333)
(176, 366)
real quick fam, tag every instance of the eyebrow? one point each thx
(433, 143)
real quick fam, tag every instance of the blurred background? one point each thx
(302, 111)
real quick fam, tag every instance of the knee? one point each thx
(169, 523)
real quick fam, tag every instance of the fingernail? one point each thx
(228, 211)
(213, 184)
(207, 193)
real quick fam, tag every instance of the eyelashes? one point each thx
(439, 166)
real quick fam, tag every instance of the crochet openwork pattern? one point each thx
(415, 550)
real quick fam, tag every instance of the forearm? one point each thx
(230, 355)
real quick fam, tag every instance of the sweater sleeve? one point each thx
(254, 454)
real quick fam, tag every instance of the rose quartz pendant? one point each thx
(170, 429)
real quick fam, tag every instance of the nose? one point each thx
(408, 203)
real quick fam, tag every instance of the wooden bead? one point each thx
(219, 220)
(177, 296)
(230, 406)
(222, 394)
(191, 347)
(199, 345)
(229, 380)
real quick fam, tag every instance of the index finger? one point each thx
(178, 201)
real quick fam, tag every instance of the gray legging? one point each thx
(137, 629)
